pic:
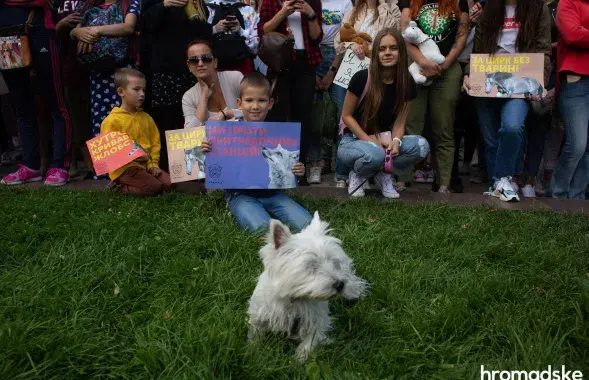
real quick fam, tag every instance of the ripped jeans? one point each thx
(366, 158)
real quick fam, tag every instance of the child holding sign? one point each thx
(253, 209)
(141, 177)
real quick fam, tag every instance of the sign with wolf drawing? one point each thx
(350, 65)
(112, 150)
(248, 155)
(506, 75)
(187, 161)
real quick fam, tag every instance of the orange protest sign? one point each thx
(112, 150)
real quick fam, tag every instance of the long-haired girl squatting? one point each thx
(377, 103)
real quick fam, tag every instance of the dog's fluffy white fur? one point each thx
(301, 273)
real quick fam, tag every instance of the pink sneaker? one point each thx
(56, 177)
(22, 175)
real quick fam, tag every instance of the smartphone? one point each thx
(231, 18)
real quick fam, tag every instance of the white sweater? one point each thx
(229, 81)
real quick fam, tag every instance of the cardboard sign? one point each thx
(187, 161)
(248, 155)
(350, 65)
(113, 150)
(506, 75)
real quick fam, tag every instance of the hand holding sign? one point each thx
(351, 64)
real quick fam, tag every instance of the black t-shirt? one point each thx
(441, 29)
(386, 115)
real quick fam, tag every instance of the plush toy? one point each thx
(427, 47)
(347, 33)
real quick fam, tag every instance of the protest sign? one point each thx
(184, 155)
(248, 155)
(112, 150)
(506, 75)
(350, 65)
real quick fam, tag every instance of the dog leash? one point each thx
(341, 202)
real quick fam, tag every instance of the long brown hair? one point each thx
(445, 8)
(376, 86)
(528, 13)
(363, 4)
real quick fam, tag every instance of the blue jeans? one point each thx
(502, 126)
(571, 173)
(253, 211)
(366, 158)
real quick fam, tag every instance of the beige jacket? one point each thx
(389, 15)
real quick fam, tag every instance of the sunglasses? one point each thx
(194, 60)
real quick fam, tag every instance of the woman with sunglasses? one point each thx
(214, 97)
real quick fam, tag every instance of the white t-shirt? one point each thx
(296, 28)
(508, 37)
(367, 26)
(332, 13)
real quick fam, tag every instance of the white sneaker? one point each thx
(420, 177)
(430, 176)
(315, 175)
(503, 190)
(443, 190)
(387, 185)
(340, 183)
(528, 191)
(356, 184)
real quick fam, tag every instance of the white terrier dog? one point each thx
(301, 273)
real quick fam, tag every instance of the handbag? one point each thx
(276, 50)
(15, 49)
(108, 52)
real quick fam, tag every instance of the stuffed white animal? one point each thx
(427, 47)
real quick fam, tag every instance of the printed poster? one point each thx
(350, 65)
(252, 155)
(112, 150)
(187, 161)
(506, 75)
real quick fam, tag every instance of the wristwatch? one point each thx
(334, 69)
(312, 17)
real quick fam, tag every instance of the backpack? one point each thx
(108, 52)
(229, 49)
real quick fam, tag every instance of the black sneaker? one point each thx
(302, 181)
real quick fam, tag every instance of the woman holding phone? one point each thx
(235, 34)
(294, 90)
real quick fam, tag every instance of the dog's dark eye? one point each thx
(337, 265)
(312, 266)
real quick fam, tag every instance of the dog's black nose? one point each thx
(339, 286)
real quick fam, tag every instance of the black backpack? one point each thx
(229, 49)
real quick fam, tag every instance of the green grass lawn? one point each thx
(97, 285)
